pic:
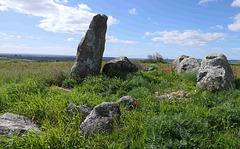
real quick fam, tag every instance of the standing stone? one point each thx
(121, 63)
(215, 73)
(185, 64)
(90, 49)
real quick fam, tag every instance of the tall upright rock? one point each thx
(90, 49)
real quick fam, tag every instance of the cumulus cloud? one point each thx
(116, 40)
(217, 27)
(56, 16)
(236, 3)
(206, 1)
(3, 8)
(236, 24)
(188, 37)
(133, 11)
(61, 1)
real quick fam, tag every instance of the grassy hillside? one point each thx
(202, 120)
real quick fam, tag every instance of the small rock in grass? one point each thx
(82, 110)
(101, 119)
(14, 124)
(173, 95)
(129, 102)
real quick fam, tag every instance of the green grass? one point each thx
(206, 120)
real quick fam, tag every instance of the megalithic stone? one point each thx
(90, 49)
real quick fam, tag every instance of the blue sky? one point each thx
(136, 28)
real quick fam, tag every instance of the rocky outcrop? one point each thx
(215, 73)
(14, 124)
(82, 110)
(90, 49)
(128, 102)
(121, 63)
(101, 119)
(186, 64)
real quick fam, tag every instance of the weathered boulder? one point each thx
(215, 73)
(178, 60)
(121, 63)
(186, 64)
(82, 110)
(128, 101)
(90, 49)
(14, 124)
(101, 119)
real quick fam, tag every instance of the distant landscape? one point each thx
(41, 58)
(62, 58)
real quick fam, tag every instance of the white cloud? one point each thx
(236, 3)
(84, 7)
(206, 1)
(133, 11)
(56, 17)
(217, 27)
(236, 25)
(69, 39)
(116, 40)
(61, 1)
(3, 8)
(188, 37)
(112, 20)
